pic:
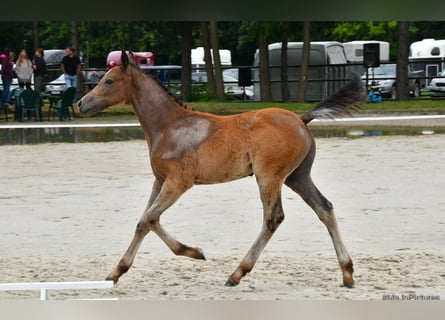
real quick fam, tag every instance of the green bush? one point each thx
(200, 92)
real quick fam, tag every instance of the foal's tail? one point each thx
(342, 102)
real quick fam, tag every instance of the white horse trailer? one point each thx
(354, 50)
(354, 53)
(198, 58)
(428, 56)
(327, 70)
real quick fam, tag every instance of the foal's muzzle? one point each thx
(80, 105)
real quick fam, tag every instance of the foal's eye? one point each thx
(109, 81)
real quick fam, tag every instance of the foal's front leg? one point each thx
(127, 259)
(162, 197)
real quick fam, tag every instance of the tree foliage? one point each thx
(163, 38)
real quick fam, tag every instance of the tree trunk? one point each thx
(75, 36)
(35, 33)
(402, 82)
(305, 61)
(219, 82)
(284, 63)
(186, 71)
(208, 60)
(75, 45)
(265, 89)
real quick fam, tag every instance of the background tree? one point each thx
(284, 63)
(75, 36)
(367, 30)
(35, 33)
(305, 61)
(211, 87)
(264, 71)
(186, 70)
(14, 35)
(165, 39)
(402, 82)
(247, 43)
(219, 83)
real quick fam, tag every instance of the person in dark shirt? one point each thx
(7, 76)
(70, 67)
(39, 66)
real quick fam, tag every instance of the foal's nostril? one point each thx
(79, 103)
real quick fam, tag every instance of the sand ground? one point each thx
(68, 212)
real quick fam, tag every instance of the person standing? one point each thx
(93, 80)
(39, 66)
(70, 67)
(24, 70)
(7, 75)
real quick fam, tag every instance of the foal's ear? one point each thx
(124, 59)
(131, 58)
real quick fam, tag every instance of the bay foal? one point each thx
(188, 147)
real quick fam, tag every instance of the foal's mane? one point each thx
(177, 100)
(159, 82)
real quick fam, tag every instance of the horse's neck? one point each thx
(155, 109)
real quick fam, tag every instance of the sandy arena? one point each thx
(68, 212)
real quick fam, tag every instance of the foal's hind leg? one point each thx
(162, 197)
(273, 215)
(302, 183)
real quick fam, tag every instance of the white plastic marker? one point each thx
(45, 286)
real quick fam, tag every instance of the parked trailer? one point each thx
(198, 58)
(354, 53)
(354, 50)
(140, 58)
(327, 69)
(428, 56)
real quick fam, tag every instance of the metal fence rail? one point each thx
(44, 287)
(322, 80)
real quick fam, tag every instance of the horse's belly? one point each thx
(220, 171)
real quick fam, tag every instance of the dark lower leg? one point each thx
(324, 210)
(249, 259)
(273, 216)
(177, 247)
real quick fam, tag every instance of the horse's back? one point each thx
(275, 125)
(272, 139)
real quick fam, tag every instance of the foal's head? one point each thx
(114, 88)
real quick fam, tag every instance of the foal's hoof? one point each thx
(348, 283)
(231, 283)
(112, 277)
(200, 254)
